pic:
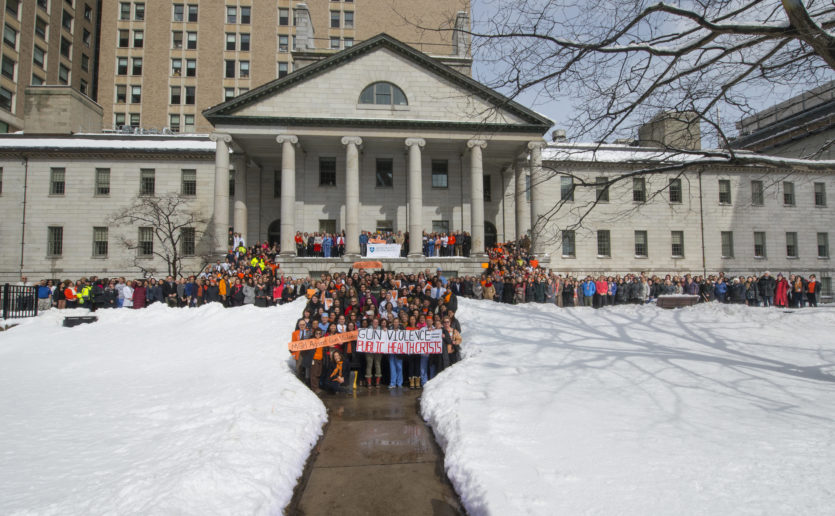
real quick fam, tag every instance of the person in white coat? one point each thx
(127, 294)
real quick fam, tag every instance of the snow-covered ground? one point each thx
(155, 411)
(636, 410)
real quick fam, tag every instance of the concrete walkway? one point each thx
(376, 457)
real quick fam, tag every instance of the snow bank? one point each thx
(155, 411)
(634, 410)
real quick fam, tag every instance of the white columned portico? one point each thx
(288, 193)
(220, 214)
(538, 207)
(523, 215)
(352, 194)
(415, 196)
(476, 196)
(240, 214)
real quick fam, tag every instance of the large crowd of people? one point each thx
(332, 245)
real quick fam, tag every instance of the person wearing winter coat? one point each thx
(737, 292)
(797, 288)
(478, 290)
(153, 292)
(489, 290)
(812, 287)
(127, 295)
(589, 291)
(721, 290)
(752, 292)
(333, 375)
(248, 292)
(110, 295)
(781, 292)
(139, 294)
(262, 294)
(768, 287)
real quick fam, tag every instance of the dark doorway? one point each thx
(490, 235)
(274, 232)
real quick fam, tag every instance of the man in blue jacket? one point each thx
(589, 288)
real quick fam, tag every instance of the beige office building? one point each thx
(45, 42)
(162, 63)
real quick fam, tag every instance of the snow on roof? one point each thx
(81, 141)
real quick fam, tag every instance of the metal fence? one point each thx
(19, 301)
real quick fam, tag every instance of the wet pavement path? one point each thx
(377, 456)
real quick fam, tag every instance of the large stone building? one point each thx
(163, 62)
(45, 42)
(382, 136)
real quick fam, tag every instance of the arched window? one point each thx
(383, 93)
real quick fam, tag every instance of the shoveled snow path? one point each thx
(708, 410)
(154, 411)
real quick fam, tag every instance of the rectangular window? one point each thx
(191, 40)
(820, 194)
(85, 62)
(36, 80)
(791, 244)
(174, 123)
(190, 93)
(385, 173)
(147, 181)
(139, 11)
(440, 226)
(7, 66)
(228, 93)
(66, 21)
(54, 241)
(176, 67)
(12, 7)
(759, 244)
(244, 67)
(135, 94)
(244, 42)
(383, 226)
(757, 196)
(86, 36)
(348, 42)
(124, 38)
(246, 15)
(488, 189)
(187, 242)
(349, 19)
(677, 243)
(826, 286)
(604, 243)
(178, 13)
(136, 66)
(823, 245)
(146, 242)
(66, 48)
(327, 171)
(39, 57)
(334, 19)
(177, 39)
(334, 43)
(10, 37)
(639, 189)
(88, 12)
(641, 244)
(43, 4)
(282, 70)
(192, 12)
(41, 28)
(56, 181)
(276, 184)
(327, 225)
(176, 95)
(231, 41)
(675, 191)
(188, 124)
(82, 86)
(189, 182)
(566, 188)
(138, 38)
(99, 242)
(134, 119)
(568, 248)
(727, 244)
(283, 44)
(724, 191)
(102, 181)
(124, 11)
(440, 173)
(231, 14)
(118, 119)
(121, 94)
(191, 67)
(63, 74)
(284, 16)
(6, 97)
(602, 189)
(788, 193)
(229, 69)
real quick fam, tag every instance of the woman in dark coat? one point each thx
(139, 293)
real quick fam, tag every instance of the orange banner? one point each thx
(376, 241)
(367, 265)
(339, 338)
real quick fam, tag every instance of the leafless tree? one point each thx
(169, 217)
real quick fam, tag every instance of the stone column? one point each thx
(220, 215)
(288, 193)
(523, 214)
(352, 194)
(240, 215)
(476, 196)
(538, 203)
(415, 197)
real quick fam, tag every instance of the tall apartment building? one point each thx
(163, 62)
(45, 42)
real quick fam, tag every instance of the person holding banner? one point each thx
(334, 375)
(395, 362)
(452, 340)
(375, 360)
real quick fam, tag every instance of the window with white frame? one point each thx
(727, 244)
(55, 241)
(102, 182)
(568, 248)
(759, 244)
(604, 243)
(99, 241)
(677, 244)
(145, 241)
(641, 244)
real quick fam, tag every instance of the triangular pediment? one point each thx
(329, 92)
